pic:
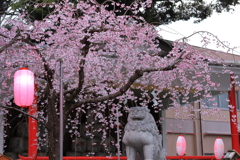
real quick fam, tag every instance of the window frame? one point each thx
(219, 104)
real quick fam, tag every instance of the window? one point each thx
(220, 101)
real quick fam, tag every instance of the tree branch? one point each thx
(29, 115)
(136, 75)
(50, 73)
(13, 108)
(167, 68)
(10, 43)
(80, 84)
(3, 35)
(85, 51)
(130, 6)
(207, 33)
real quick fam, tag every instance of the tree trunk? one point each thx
(53, 127)
(53, 143)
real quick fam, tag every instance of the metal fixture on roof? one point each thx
(165, 46)
(3, 5)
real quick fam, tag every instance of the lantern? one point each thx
(23, 87)
(181, 145)
(218, 148)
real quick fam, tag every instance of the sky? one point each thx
(226, 26)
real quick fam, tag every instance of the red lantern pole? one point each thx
(233, 115)
(32, 128)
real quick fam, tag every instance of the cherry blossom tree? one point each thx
(106, 58)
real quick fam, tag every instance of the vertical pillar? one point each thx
(233, 115)
(32, 129)
(198, 130)
(164, 133)
(61, 112)
(118, 141)
(1, 132)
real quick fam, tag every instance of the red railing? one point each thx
(191, 157)
(75, 158)
(122, 158)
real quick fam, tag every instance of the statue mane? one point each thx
(145, 121)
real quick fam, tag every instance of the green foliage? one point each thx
(161, 11)
(167, 11)
(36, 13)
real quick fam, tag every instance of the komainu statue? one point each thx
(141, 136)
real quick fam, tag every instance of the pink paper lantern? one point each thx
(23, 87)
(218, 148)
(181, 145)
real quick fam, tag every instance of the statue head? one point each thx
(137, 113)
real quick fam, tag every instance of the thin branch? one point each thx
(13, 108)
(10, 43)
(27, 114)
(207, 33)
(3, 35)
(232, 49)
(130, 6)
(106, 2)
(169, 67)
(190, 64)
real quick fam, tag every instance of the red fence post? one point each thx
(233, 115)
(32, 128)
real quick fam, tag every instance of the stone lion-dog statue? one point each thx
(141, 136)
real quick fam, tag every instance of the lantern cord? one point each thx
(25, 63)
(204, 134)
(20, 64)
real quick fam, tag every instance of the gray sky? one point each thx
(226, 26)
